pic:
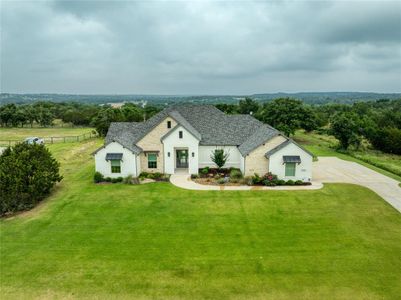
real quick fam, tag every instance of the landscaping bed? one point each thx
(144, 177)
(234, 177)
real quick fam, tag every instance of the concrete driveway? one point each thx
(333, 169)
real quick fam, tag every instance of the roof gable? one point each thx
(285, 144)
(205, 122)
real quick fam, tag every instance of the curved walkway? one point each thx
(326, 169)
(184, 181)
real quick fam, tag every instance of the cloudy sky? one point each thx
(199, 47)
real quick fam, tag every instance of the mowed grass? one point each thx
(324, 145)
(159, 241)
(42, 132)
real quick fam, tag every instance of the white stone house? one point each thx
(183, 137)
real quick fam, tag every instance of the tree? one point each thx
(132, 113)
(228, 108)
(248, 106)
(27, 175)
(104, 117)
(346, 128)
(387, 139)
(7, 113)
(150, 111)
(219, 157)
(287, 115)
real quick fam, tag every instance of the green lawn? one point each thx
(159, 241)
(324, 145)
(22, 133)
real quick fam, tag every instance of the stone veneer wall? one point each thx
(152, 142)
(256, 162)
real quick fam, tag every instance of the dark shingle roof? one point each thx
(207, 123)
(260, 136)
(184, 123)
(125, 133)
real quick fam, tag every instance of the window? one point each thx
(193, 154)
(168, 154)
(290, 169)
(115, 166)
(168, 124)
(152, 161)
(180, 134)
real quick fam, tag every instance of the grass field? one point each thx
(158, 241)
(324, 145)
(22, 133)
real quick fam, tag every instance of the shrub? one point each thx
(194, 176)
(135, 180)
(217, 176)
(27, 175)
(235, 174)
(290, 182)
(155, 176)
(256, 179)
(269, 183)
(221, 181)
(219, 157)
(144, 175)
(280, 182)
(205, 170)
(98, 177)
(270, 177)
(107, 179)
(299, 182)
(234, 180)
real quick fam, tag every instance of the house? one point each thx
(183, 137)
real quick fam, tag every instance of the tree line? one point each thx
(78, 114)
(378, 122)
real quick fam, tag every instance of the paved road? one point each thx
(333, 169)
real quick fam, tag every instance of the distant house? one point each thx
(183, 137)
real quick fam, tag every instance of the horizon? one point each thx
(201, 95)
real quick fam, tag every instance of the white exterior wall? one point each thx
(128, 162)
(234, 160)
(172, 142)
(303, 171)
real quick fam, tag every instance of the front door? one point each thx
(181, 159)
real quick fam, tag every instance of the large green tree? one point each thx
(248, 106)
(287, 115)
(346, 128)
(104, 117)
(27, 175)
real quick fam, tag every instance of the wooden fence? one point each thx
(54, 139)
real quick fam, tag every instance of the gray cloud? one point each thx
(199, 47)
